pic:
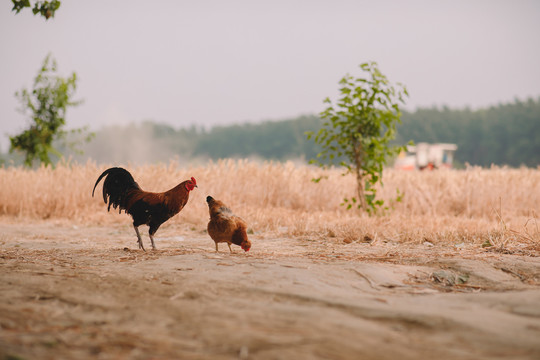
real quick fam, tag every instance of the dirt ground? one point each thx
(73, 292)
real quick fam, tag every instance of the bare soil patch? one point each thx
(76, 292)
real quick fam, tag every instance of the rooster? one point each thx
(146, 208)
(224, 226)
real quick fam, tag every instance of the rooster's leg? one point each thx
(139, 237)
(230, 247)
(216, 248)
(152, 240)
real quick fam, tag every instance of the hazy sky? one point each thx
(221, 62)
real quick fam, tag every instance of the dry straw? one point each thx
(280, 199)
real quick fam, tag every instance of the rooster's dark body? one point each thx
(120, 190)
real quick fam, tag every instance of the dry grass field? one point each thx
(499, 205)
(452, 271)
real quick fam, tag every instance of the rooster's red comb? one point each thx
(193, 180)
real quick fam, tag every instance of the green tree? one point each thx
(358, 129)
(44, 8)
(47, 104)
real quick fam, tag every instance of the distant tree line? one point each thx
(277, 140)
(506, 134)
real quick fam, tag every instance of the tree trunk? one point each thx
(360, 188)
(359, 176)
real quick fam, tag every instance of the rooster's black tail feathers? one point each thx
(118, 182)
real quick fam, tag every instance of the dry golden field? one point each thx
(452, 272)
(499, 205)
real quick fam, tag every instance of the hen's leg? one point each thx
(216, 247)
(230, 247)
(139, 240)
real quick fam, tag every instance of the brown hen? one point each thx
(224, 226)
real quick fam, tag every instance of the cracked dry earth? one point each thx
(72, 292)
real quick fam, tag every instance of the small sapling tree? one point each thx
(46, 104)
(357, 130)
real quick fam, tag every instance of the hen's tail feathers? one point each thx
(118, 182)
